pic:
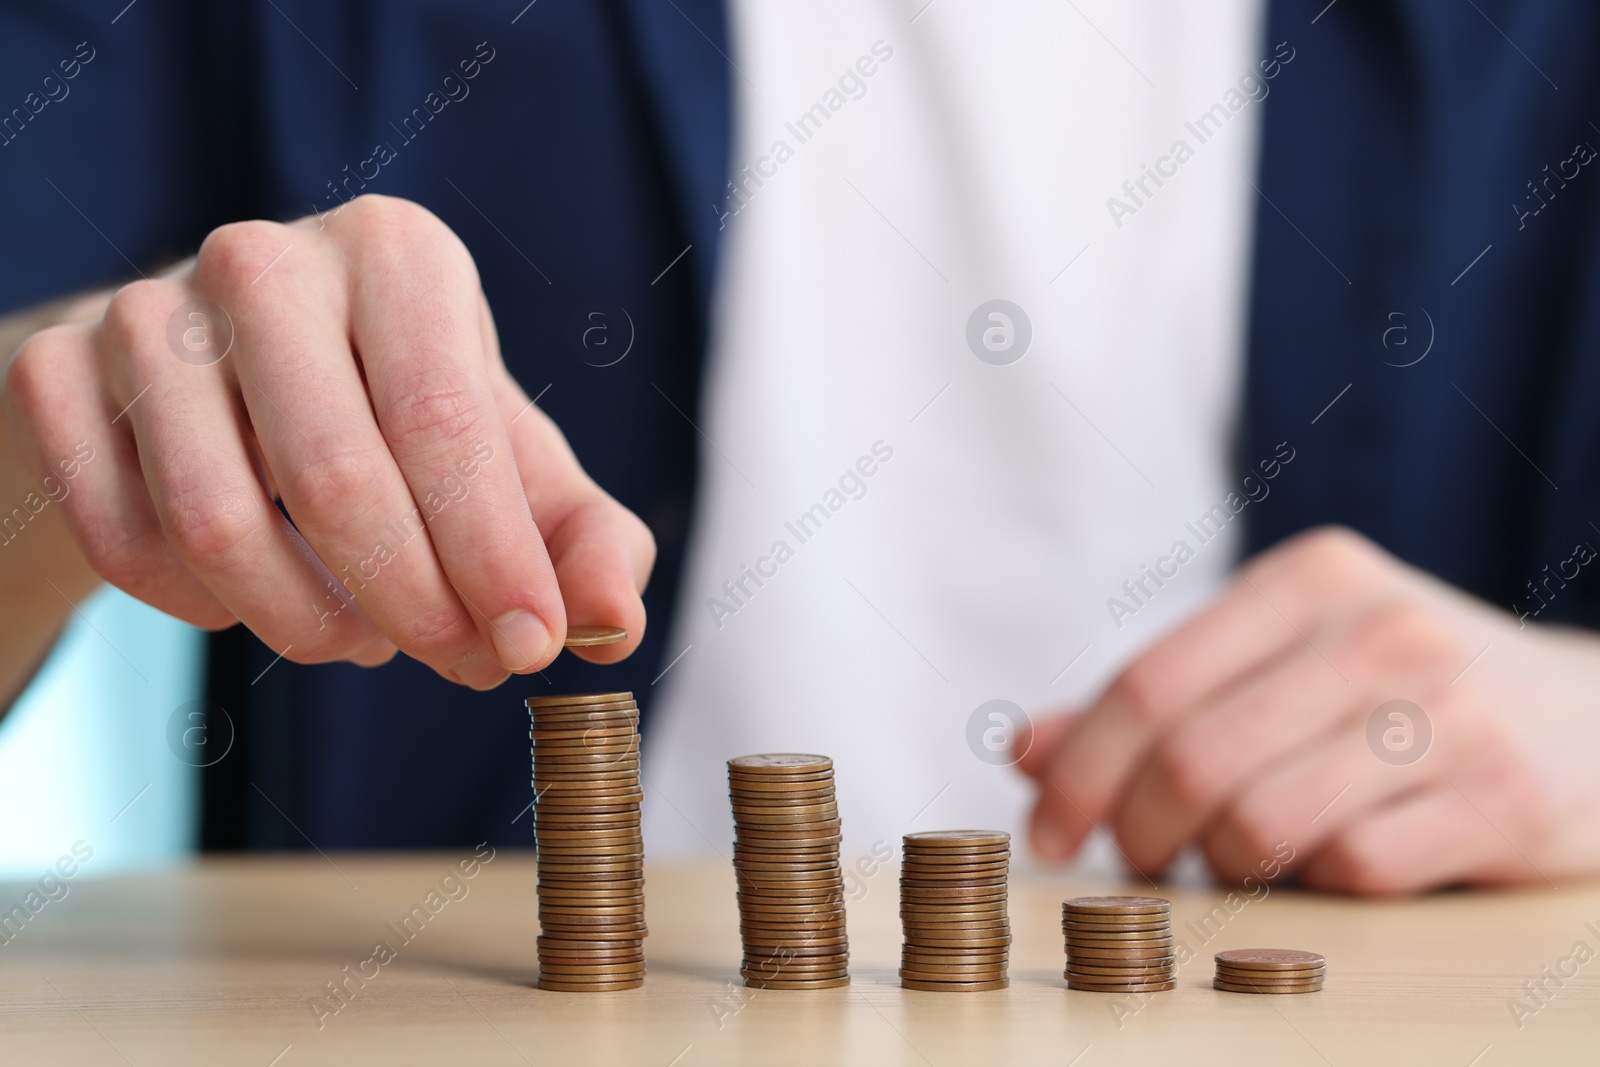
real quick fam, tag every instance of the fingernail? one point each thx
(1050, 842)
(520, 639)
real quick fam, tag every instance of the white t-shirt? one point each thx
(899, 520)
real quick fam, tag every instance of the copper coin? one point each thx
(776, 950)
(1270, 959)
(757, 982)
(1257, 979)
(957, 839)
(971, 893)
(1087, 930)
(1120, 987)
(555, 986)
(776, 787)
(559, 944)
(953, 858)
(1266, 988)
(576, 698)
(958, 961)
(953, 987)
(1117, 905)
(957, 943)
(780, 763)
(984, 974)
(1133, 954)
(1165, 967)
(589, 636)
(1117, 937)
(955, 876)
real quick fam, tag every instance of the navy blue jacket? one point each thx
(1424, 179)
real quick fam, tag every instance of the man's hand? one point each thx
(435, 510)
(1248, 728)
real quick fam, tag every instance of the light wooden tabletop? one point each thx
(228, 962)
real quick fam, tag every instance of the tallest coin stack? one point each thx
(590, 850)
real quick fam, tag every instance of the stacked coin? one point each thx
(1269, 970)
(590, 851)
(1119, 944)
(786, 860)
(953, 910)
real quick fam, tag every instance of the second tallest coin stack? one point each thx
(590, 850)
(786, 859)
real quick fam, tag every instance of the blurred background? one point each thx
(123, 792)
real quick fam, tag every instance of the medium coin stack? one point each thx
(590, 851)
(1119, 944)
(953, 910)
(786, 860)
(1269, 970)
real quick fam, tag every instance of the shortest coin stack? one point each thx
(953, 910)
(1119, 944)
(1269, 970)
(590, 852)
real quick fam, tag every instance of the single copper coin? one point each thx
(758, 982)
(576, 698)
(555, 986)
(956, 839)
(1267, 988)
(1269, 959)
(953, 987)
(780, 763)
(1117, 905)
(589, 636)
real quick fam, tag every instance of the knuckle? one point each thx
(393, 235)
(232, 256)
(1190, 774)
(329, 483)
(131, 560)
(31, 368)
(433, 407)
(1353, 859)
(138, 312)
(1144, 693)
(1258, 826)
(436, 636)
(1400, 636)
(213, 525)
(1327, 559)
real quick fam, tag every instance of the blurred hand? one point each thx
(1248, 728)
(435, 510)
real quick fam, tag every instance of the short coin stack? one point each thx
(953, 910)
(1119, 944)
(786, 859)
(1269, 970)
(591, 853)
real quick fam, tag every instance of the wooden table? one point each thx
(227, 963)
